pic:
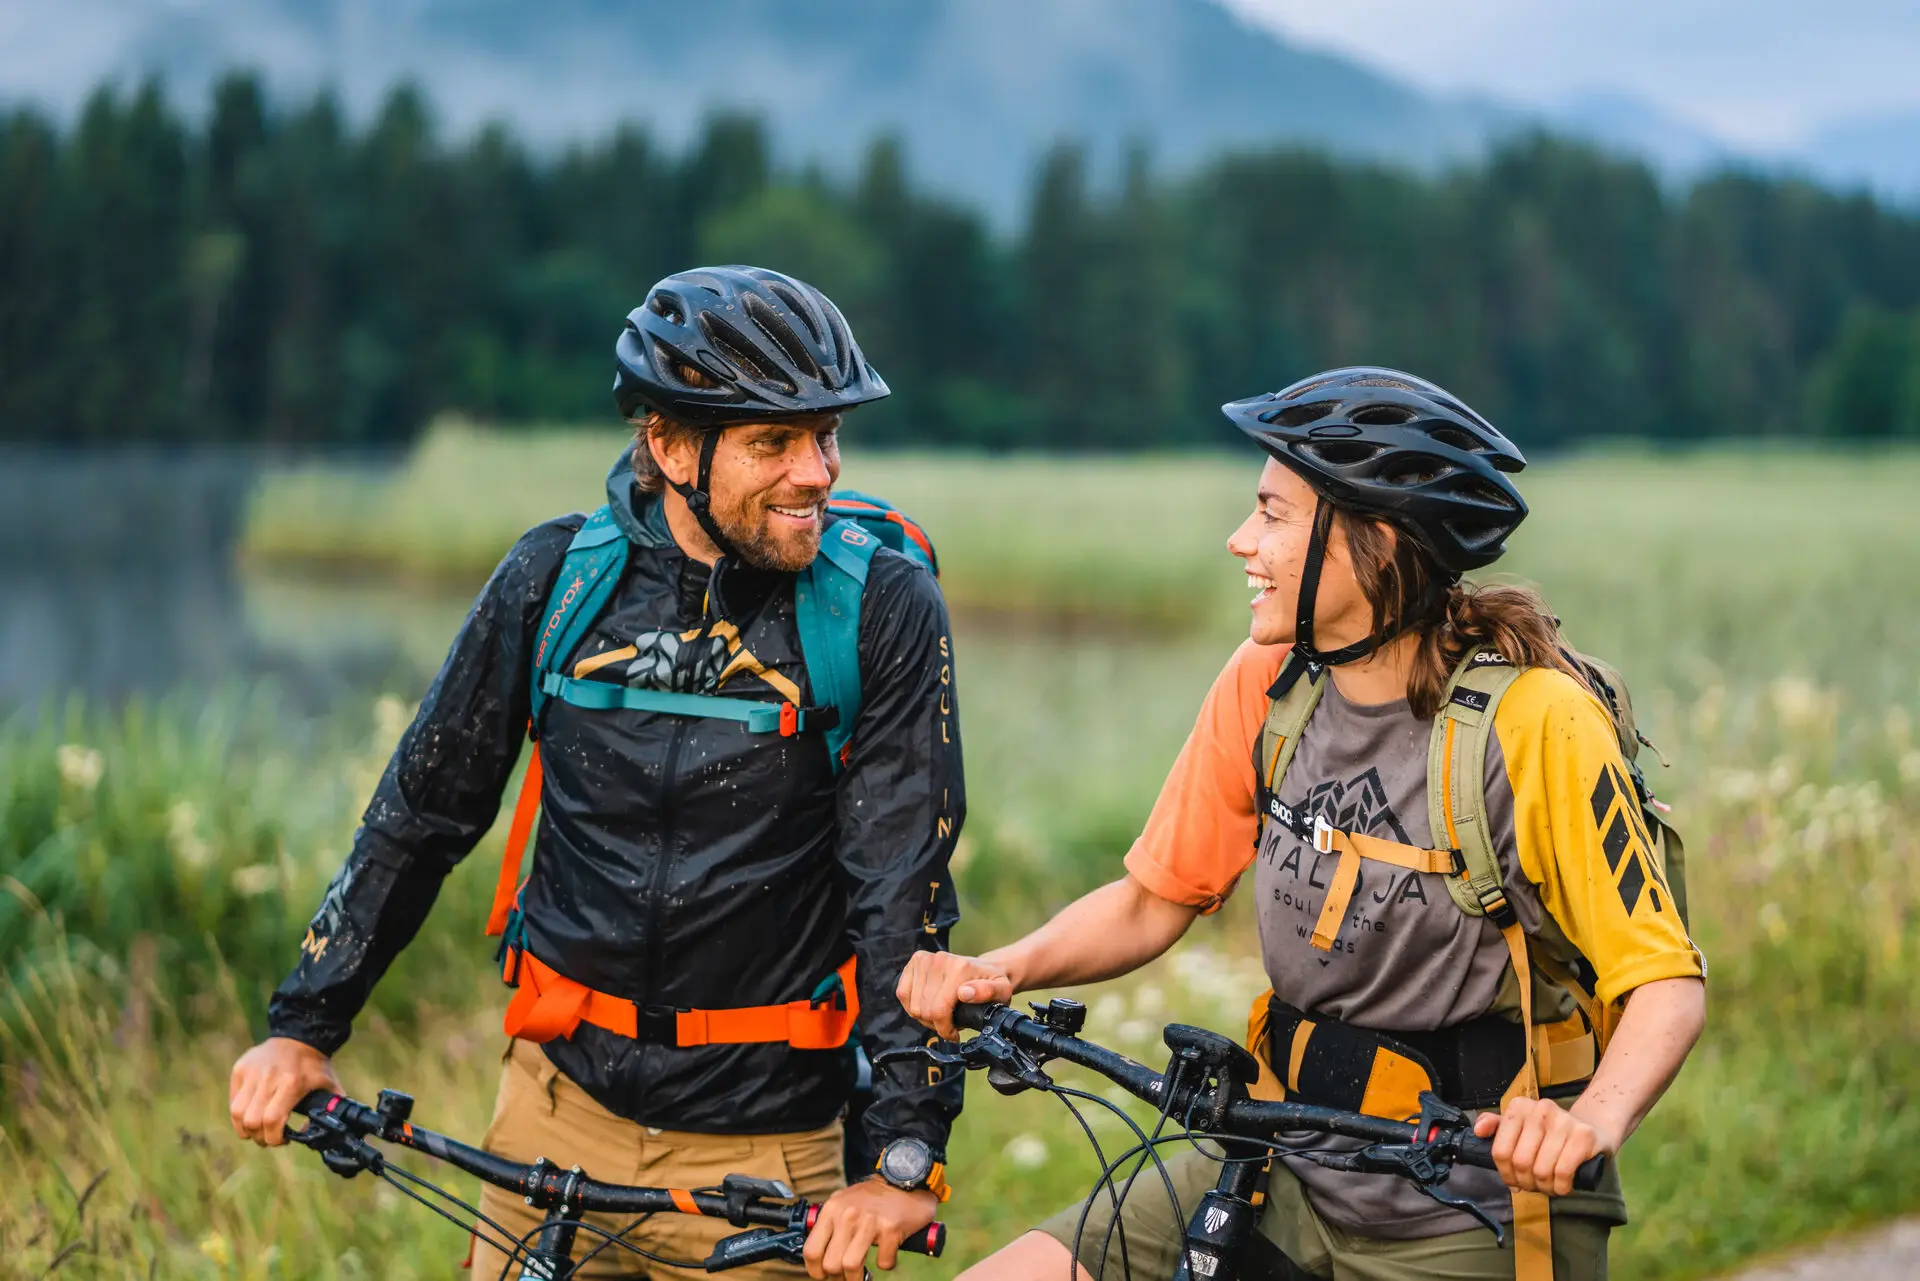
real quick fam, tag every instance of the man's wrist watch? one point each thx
(909, 1164)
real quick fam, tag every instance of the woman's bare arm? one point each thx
(1114, 930)
(1538, 1146)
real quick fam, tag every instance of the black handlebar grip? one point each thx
(1478, 1151)
(971, 1017)
(1587, 1178)
(314, 1101)
(929, 1242)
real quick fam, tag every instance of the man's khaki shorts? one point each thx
(1291, 1232)
(542, 1113)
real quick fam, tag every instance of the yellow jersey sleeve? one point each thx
(1581, 838)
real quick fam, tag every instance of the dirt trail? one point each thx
(1889, 1253)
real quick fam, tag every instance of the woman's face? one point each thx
(1273, 544)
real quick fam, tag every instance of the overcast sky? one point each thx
(1759, 73)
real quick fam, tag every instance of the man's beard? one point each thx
(748, 527)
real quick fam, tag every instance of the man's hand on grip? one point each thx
(268, 1080)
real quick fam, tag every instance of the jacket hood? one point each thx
(641, 516)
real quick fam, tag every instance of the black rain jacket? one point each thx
(679, 861)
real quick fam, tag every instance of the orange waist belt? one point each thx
(547, 1004)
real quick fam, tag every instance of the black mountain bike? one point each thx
(1204, 1091)
(776, 1221)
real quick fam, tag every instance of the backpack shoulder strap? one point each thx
(1287, 717)
(587, 577)
(1457, 785)
(826, 601)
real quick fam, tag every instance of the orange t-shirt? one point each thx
(1201, 834)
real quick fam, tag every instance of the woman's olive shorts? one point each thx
(1295, 1243)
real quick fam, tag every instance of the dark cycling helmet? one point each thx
(1398, 447)
(719, 345)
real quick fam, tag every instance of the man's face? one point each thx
(770, 485)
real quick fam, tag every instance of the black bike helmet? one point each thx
(719, 345)
(1390, 445)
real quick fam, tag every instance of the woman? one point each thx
(1385, 951)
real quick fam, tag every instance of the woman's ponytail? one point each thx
(1456, 619)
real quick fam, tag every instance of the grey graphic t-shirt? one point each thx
(1405, 957)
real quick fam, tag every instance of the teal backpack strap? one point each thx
(826, 600)
(587, 577)
(759, 717)
(1457, 783)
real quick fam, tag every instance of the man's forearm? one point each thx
(1114, 930)
(1661, 1022)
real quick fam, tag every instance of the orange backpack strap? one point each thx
(518, 834)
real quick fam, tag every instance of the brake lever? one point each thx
(921, 1054)
(762, 1245)
(341, 1151)
(1010, 1069)
(1465, 1206)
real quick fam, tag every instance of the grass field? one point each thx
(1767, 610)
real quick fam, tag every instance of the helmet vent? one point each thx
(1477, 538)
(737, 351)
(1383, 416)
(1338, 453)
(662, 304)
(787, 295)
(1410, 470)
(1301, 415)
(1459, 439)
(1380, 380)
(1479, 491)
(774, 326)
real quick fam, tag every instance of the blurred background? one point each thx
(306, 309)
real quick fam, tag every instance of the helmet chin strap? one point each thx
(1305, 658)
(699, 501)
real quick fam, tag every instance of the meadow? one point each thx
(160, 861)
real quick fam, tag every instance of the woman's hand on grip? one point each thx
(1538, 1145)
(934, 982)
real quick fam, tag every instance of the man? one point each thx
(684, 862)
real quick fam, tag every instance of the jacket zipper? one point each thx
(668, 812)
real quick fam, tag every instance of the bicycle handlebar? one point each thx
(1241, 1116)
(546, 1185)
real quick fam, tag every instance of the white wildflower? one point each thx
(390, 717)
(255, 879)
(1025, 1152)
(1774, 922)
(183, 835)
(80, 766)
(1798, 703)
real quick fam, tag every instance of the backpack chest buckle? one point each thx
(1322, 834)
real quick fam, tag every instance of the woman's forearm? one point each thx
(1661, 1022)
(1116, 929)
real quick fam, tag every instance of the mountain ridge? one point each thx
(977, 90)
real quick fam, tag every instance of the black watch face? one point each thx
(906, 1163)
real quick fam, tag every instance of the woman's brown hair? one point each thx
(1397, 577)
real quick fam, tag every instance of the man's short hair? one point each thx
(646, 472)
